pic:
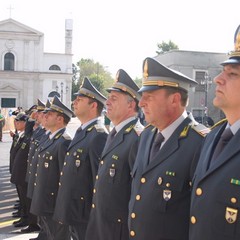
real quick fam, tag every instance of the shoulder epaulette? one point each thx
(66, 136)
(202, 132)
(219, 123)
(100, 128)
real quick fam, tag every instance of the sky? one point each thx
(121, 34)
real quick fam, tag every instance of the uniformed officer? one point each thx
(19, 165)
(216, 190)
(50, 163)
(81, 162)
(108, 218)
(160, 197)
(36, 114)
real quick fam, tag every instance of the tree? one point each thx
(95, 72)
(165, 47)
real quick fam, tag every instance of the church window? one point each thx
(9, 62)
(55, 68)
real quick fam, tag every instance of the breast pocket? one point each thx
(167, 190)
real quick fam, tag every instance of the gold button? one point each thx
(199, 191)
(96, 176)
(132, 233)
(94, 190)
(35, 174)
(190, 183)
(119, 220)
(113, 165)
(35, 184)
(143, 180)
(93, 206)
(37, 165)
(82, 198)
(138, 197)
(233, 200)
(193, 220)
(68, 153)
(65, 163)
(52, 194)
(61, 173)
(133, 215)
(167, 184)
(101, 162)
(59, 184)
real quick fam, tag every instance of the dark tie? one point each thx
(110, 137)
(224, 139)
(159, 138)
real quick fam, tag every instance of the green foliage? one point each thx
(166, 47)
(95, 72)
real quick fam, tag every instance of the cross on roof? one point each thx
(10, 11)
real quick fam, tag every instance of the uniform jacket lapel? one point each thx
(118, 139)
(169, 147)
(227, 153)
(51, 141)
(79, 136)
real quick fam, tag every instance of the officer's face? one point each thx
(20, 125)
(82, 106)
(227, 95)
(157, 106)
(119, 107)
(52, 120)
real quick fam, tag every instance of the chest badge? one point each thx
(167, 194)
(112, 172)
(77, 163)
(231, 215)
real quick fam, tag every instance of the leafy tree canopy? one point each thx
(166, 47)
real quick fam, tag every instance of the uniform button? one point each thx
(101, 162)
(61, 173)
(190, 183)
(133, 215)
(52, 193)
(68, 153)
(167, 184)
(82, 198)
(59, 184)
(233, 200)
(119, 220)
(93, 205)
(193, 220)
(198, 191)
(35, 174)
(94, 190)
(30, 164)
(65, 163)
(143, 180)
(97, 177)
(138, 197)
(29, 172)
(132, 233)
(35, 184)
(37, 165)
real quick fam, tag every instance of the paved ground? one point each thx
(8, 194)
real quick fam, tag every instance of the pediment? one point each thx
(8, 87)
(12, 26)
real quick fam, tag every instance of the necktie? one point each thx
(224, 139)
(156, 145)
(110, 137)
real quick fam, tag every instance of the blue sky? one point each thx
(120, 34)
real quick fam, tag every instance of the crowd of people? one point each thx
(171, 179)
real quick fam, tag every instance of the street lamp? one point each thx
(206, 82)
(61, 90)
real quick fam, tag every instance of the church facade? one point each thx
(27, 72)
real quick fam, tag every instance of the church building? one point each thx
(27, 72)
